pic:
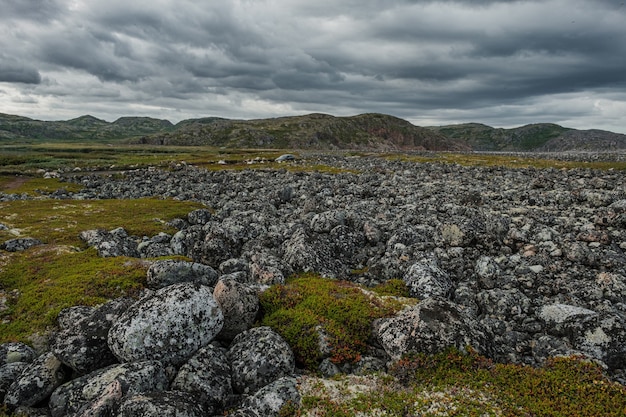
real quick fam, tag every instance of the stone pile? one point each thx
(520, 264)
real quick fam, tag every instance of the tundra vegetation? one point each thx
(64, 272)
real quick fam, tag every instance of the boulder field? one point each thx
(521, 264)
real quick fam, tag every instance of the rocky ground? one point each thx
(520, 264)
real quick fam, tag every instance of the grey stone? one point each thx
(107, 386)
(167, 272)
(167, 403)
(269, 400)
(431, 326)
(16, 352)
(8, 374)
(425, 279)
(82, 345)
(20, 244)
(259, 356)
(36, 382)
(170, 325)
(206, 378)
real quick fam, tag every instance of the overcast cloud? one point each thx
(503, 63)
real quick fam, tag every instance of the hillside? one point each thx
(82, 129)
(313, 131)
(542, 137)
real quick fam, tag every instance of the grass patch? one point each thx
(306, 303)
(60, 221)
(34, 186)
(455, 384)
(50, 278)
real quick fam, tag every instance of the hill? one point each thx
(314, 131)
(82, 129)
(542, 137)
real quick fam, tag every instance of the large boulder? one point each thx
(206, 377)
(82, 344)
(8, 374)
(259, 356)
(37, 381)
(167, 272)
(171, 325)
(106, 387)
(239, 304)
(431, 326)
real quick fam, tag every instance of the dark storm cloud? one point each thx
(260, 58)
(15, 72)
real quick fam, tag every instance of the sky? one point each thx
(502, 63)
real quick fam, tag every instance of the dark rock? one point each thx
(170, 325)
(36, 382)
(425, 279)
(259, 356)
(159, 404)
(16, 352)
(82, 345)
(431, 326)
(199, 216)
(167, 272)
(20, 244)
(9, 374)
(206, 378)
(110, 244)
(103, 389)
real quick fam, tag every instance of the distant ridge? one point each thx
(541, 137)
(370, 131)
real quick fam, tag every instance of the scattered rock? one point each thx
(20, 244)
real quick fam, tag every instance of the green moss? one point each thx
(46, 279)
(341, 309)
(455, 384)
(392, 287)
(61, 221)
(34, 186)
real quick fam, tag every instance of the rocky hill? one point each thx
(313, 131)
(542, 137)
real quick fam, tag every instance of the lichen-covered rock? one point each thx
(269, 400)
(239, 304)
(20, 244)
(170, 325)
(558, 318)
(110, 244)
(167, 272)
(431, 326)
(16, 352)
(199, 216)
(82, 345)
(8, 374)
(107, 386)
(160, 404)
(37, 381)
(259, 356)
(206, 378)
(425, 279)
(487, 271)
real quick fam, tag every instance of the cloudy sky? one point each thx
(503, 63)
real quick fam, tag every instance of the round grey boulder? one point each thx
(430, 327)
(269, 400)
(258, 357)
(8, 374)
(206, 377)
(171, 325)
